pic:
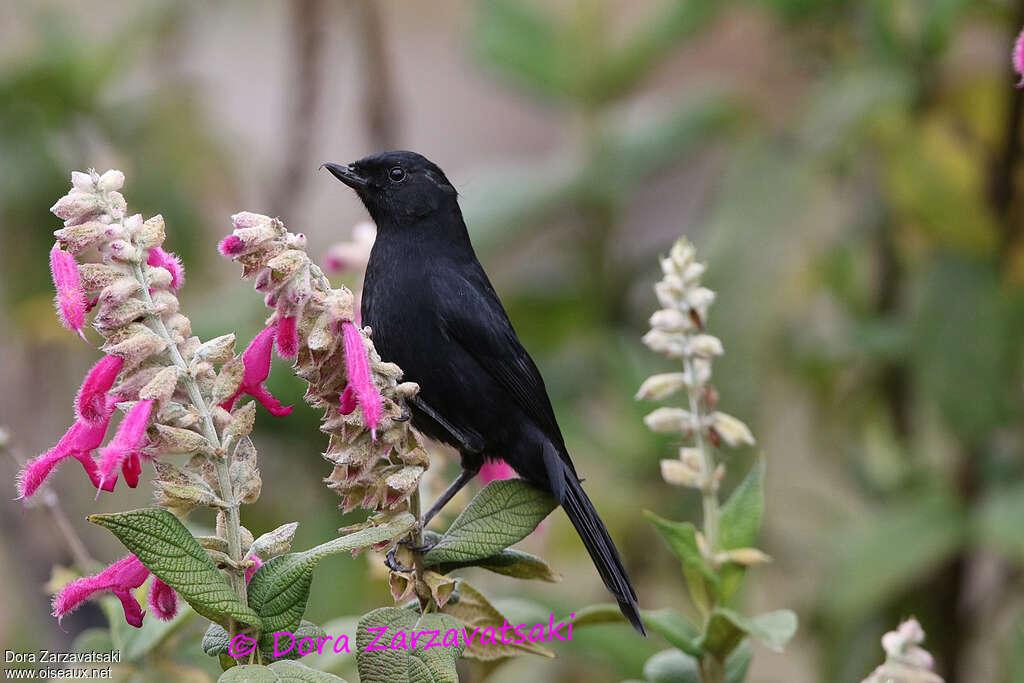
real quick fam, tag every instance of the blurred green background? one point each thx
(849, 170)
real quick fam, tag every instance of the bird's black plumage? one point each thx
(434, 312)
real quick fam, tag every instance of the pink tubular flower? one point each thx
(163, 600)
(251, 571)
(496, 469)
(360, 382)
(169, 262)
(91, 402)
(122, 451)
(93, 408)
(119, 578)
(71, 299)
(256, 359)
(287, 337)
(232, 245)
(1018, 58)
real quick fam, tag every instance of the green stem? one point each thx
(221, 461)
(708, 487)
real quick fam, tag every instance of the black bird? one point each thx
(434, 313)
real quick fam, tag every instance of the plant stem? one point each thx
(221, 460)
(710, 668)
(708, 487)
(422, 592)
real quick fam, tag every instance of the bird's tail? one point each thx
(600, 546)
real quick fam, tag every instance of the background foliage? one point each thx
(849, 170)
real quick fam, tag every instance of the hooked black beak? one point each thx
(347, 175)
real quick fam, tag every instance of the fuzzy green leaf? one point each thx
(165, 546)
(673, 666)
(406, 654)
(215, 640)
(280, 588)
(474, 611)
(726, 629)
(278, 672)
(508, 562)
(502, 514)
(740, 517)
(682, 539)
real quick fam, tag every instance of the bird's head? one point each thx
(397, 187)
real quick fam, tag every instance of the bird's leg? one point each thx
(460, 482)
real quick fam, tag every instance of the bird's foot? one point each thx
(391, 559)
(392, 562)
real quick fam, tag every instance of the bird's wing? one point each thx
(473, 317)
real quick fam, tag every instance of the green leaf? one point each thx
(671, 666)
(508, 562)
(503, 513)
(278, 672)
(737, 664)
(407, 654)
(306, 629)
(473, 610)
(739, 522)
(726, 629)
(166, 548)
(215, 640)
(279, 590)
(682, 539)
(740, 517)
(669, 624)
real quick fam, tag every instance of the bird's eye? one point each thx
(397, 174)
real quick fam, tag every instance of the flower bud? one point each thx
(151, 233)
(78, 238)
(747, 556)
(83, 182)
(96, 276)
(76, 207)
(111, 180)
(706, 346)
(657, 387)
(679, 473)
(218, 350)
(731, 430)
(274, 542)
(162, 386)
(665, 420)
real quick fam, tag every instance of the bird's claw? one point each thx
(392, 562)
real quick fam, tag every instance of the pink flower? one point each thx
(359, 380)
(91, 402)
(1018, 58)
(287, 337)
(169, 262)
(251, 571)
(232, 245)
(119, 578)
(70, 299)
(163, 600)
(496, 469)
(256, 359)
(83, 437)
(122, 451)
